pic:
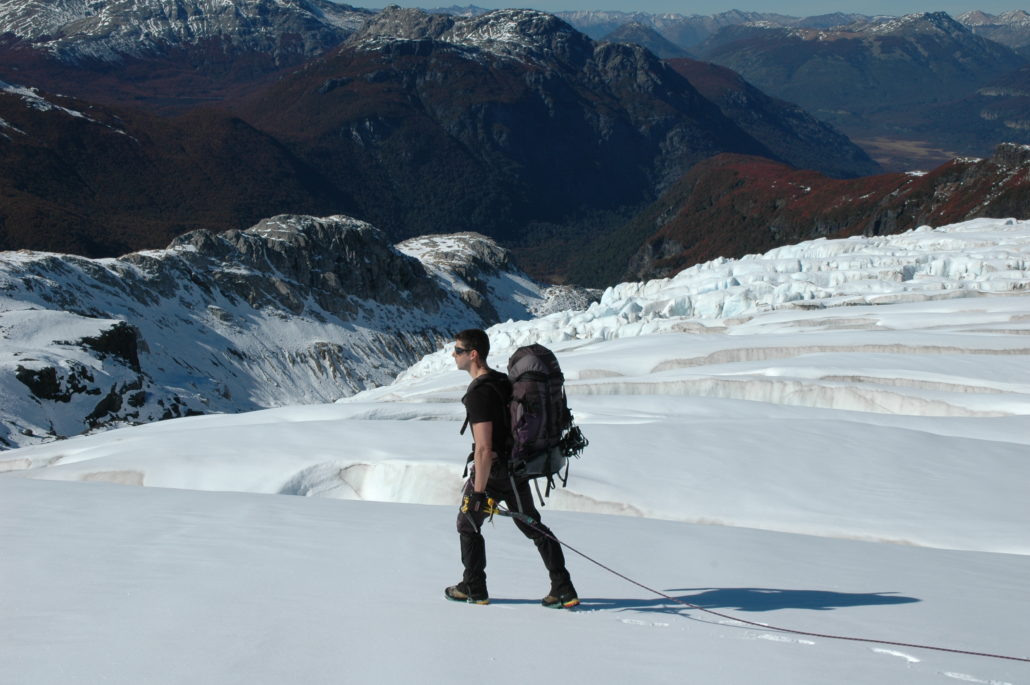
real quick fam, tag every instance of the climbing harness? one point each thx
(528, 520)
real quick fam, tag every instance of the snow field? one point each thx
(120, 585)
(853, 464)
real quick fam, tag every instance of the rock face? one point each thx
(731, 206)
(294, 262)
(295, 309)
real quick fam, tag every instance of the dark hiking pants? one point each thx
(473, 546)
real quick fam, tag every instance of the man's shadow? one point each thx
(750, 599)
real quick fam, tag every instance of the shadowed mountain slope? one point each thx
(733, 205)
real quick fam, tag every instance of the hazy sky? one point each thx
(798, 8)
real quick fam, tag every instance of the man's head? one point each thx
(471, 348)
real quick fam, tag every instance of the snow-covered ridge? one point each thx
(482, 273)
(511, 33)
(78, 29)
(32, 97)
(923, 22)
(293, 310)
(1018, 18)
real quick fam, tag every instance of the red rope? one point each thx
(529, 521)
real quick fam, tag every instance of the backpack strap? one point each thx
(536, 484)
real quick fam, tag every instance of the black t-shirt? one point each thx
(487, 400)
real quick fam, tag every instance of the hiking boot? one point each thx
(560, 600)
(462, 593)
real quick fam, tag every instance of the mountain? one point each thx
(1008, 28)
(791, 133)
(681, 30)
(511, 123)
(169, 54)
(861, 78)
(295, 309)
(831, 20)
(646, 37)
(1000, 110)
(731, 206)
(78, 31)
(99, 181)
(459, 10)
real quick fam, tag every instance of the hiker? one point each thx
(488, 479)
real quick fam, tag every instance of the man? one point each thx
(486, 406)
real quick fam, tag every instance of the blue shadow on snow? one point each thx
(751, 599)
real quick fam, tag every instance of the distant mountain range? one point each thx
(197, 114)
(861, 78)
(1008, 28)
(687, 31)
(910, 90)
(510, 123)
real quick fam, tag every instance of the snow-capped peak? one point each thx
(513, 33)
(922, 22)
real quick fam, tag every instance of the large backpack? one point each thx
(542, 434)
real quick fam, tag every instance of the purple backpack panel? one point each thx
(539, 411)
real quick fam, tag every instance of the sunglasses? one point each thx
(461, 350)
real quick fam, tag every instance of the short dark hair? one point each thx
(475, 339)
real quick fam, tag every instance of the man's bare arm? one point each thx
(483, 457)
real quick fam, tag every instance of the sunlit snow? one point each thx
(832, 437)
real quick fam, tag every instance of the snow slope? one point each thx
(108, 584)
(295, 309)
(850, 461)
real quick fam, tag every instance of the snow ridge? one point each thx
(293, 310)
(522, 35)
